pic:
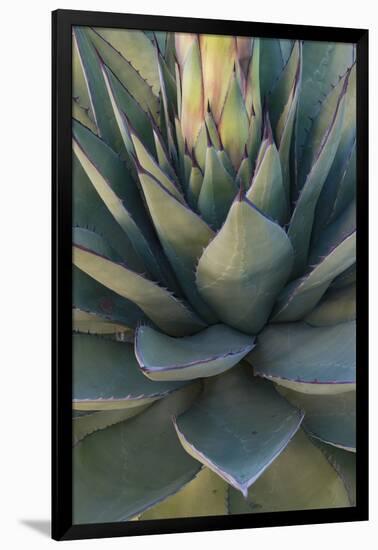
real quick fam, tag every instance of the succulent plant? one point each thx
(214, 275)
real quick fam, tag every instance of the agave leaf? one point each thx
(210, 352)
(205, 495)
(192, 108)
(183, 236)
(252, 93)
(88, 208)
(303, 216)
(334, 234)
(330, 418)
(338, 191)
(302, 295)
(234, 123)
(101, 105)
(106, 189)
(337, 306)
(163, 154)
(218, 54)
(271, 64)
(124, 104)
(323, 63)
(137, 49)
(93, 323)
(346, 278)
(90, 296)
(244, 267)
(218, 190)
(344, 463)
(279, 99)
(81, 114)
(299, 479)
(117, 461)
(183, 43)
(171, 315)
(315, 360)
(94, 421)
(194, 186)
(243, 177)
(237, 426)
(126, 73)
(80, 93)
(167, 86)
(266, 190)
(148, 163)
(106, 376)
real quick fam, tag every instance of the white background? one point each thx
(25, 268)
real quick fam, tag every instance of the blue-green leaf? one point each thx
(302, 295)
(301, 478)
(210, 352)
(244, 267)
(330, 418)
(166, 311)
(315, 360)
(106, 376)
(115, 470)
(238, 426)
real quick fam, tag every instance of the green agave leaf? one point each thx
(166, 311)
(121, 209)
(101, 105)
(237, 426)
(252, 93)
(91, 296)
(162, 153)
(218, 55)
(106, 376)
(205, 495)
(346, 278)
(80, 93)
(266, 190)
(334, 234)
(123, 103)
(315, 360)
(337, 306)
(88, 209)
(347, 187)
(94, 421)
(271, 64)
(244, 267)
(234, 123)
(126, 73)
(93, 323)
(194, 186)
(115, 469)
(303, 216)
(208, 135)
(218, 190)
(345, 465)
(282, 94)
(137, 49)
(302, 295)
(183, 236)
(330, 418)
(299, 479)
(244, 175)
(81, 114)
(210, 352)
(323, 63)
(192, 108)
(148, 163)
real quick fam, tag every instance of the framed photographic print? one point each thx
(210, 191)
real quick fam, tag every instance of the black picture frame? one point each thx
(62, 21)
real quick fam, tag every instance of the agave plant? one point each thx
(214, 275)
